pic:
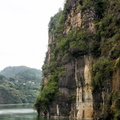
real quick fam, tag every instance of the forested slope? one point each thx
(19, 85)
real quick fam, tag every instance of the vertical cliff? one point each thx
(81, 73)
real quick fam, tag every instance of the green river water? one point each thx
(20, 112)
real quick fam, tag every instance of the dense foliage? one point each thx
(19, 85)
(105, 66)
(102, 73)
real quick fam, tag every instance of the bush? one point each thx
(102, 72)
(47, 95)
(115, 109)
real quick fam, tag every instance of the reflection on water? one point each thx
(14, 111)
(17, 112)
(20, 112)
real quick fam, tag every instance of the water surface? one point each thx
(17, 112)
(20, 112)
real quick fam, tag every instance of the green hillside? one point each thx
(19, 85)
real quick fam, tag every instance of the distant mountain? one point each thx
(10, 71)
(19, 84)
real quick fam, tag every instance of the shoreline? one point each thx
(16, 104)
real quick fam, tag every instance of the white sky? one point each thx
(24, 31)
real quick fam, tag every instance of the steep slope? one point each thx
(8, 94)
(19, 85)
(81, 71)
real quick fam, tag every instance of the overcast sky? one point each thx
(24, 31)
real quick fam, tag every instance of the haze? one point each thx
(24, 31)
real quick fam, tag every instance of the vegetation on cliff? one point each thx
(103, 70)
(103, 45)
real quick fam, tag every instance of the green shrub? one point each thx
(102, 72)
(115, 109)
(80, 39)
(86, 4)
(109, 29)
(100, 6)
(47, 95)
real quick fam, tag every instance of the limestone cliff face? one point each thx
(78, 69)
(84, 99)
(83, 62)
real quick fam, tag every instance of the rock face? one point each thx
(83, 61)
(84, 99)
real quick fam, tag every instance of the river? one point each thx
(20, 112)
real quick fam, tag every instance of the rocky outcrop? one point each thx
(81, 75)
(84, 99)
(80, 62)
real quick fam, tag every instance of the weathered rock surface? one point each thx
(86, 85)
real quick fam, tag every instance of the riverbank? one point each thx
(16, 104)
